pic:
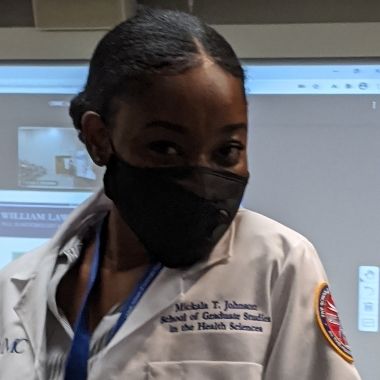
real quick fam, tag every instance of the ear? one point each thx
(96, 138)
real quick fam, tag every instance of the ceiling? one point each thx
(19, 13)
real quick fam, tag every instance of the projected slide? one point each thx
(30, 218)
(46, 171)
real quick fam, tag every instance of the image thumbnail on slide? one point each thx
(54, 158)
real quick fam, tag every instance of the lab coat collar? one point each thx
(66, 238)
(32, 284)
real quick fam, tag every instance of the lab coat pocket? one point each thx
(204, 370)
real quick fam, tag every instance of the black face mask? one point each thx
(178, 213)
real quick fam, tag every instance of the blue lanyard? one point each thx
(76, 364)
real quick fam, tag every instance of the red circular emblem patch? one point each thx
(329, 322)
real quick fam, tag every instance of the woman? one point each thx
(162, 276)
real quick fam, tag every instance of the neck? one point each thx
(123, 251)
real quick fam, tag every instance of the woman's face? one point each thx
(198, 118)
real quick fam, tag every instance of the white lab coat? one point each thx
(246, 314)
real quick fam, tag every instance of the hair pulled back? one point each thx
(154, 41)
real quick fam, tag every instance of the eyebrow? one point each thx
(229, 128)
(167, 125)
(234, 127)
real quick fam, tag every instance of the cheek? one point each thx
(135, 152)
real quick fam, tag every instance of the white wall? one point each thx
(360, 40)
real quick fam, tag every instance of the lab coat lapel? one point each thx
(169, 286)
(31, 306)
(164, 290)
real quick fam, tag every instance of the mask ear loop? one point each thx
(113, 149)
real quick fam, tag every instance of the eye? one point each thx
(229, 154)
(165, 148)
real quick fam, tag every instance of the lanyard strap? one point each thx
(76, 364)
(135, 297)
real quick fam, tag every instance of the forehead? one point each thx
(195, 95)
